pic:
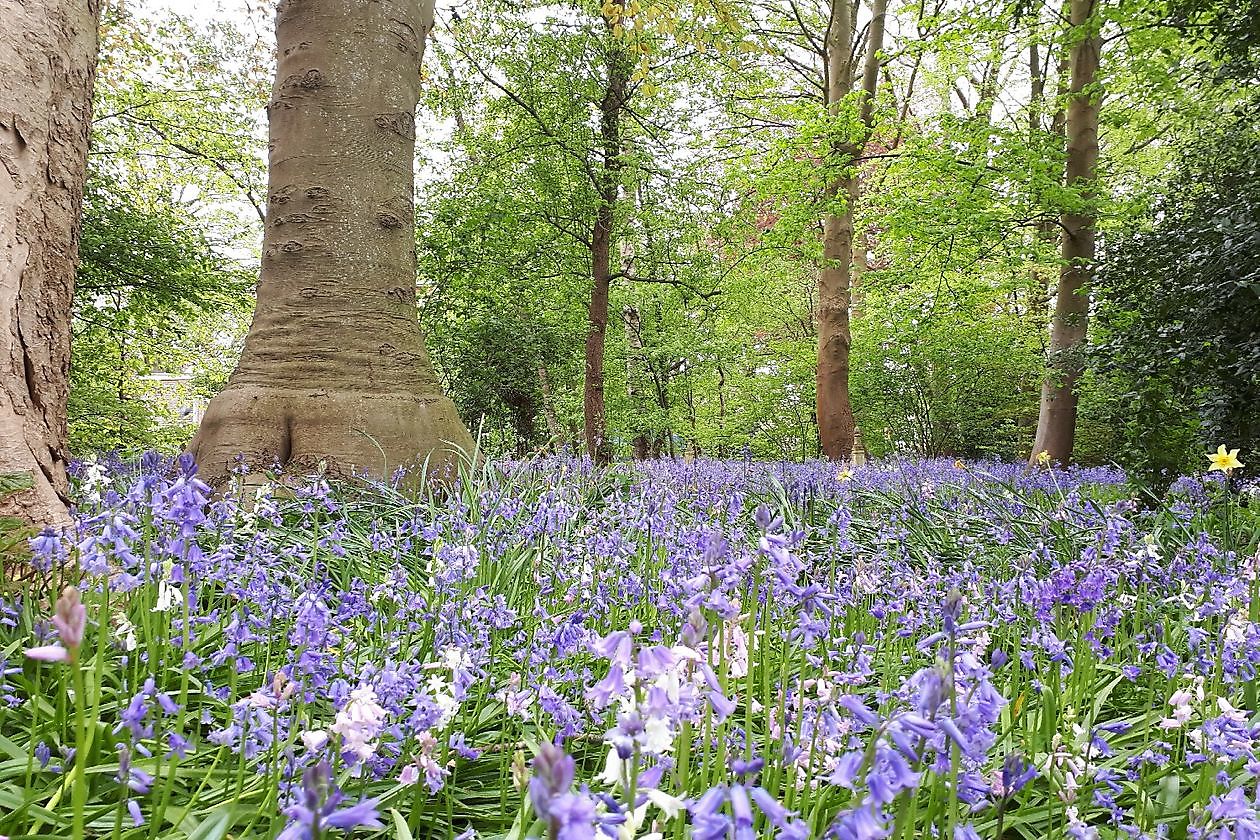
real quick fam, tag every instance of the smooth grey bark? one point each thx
(334, 370)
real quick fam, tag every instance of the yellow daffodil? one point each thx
(1224, 461)
(1043, 457)
(959, 465)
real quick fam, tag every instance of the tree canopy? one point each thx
(720, 189)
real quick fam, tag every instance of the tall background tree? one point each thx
(584, 106)
(47, 67)
(843, 51)
(334, 370)
(1056, 423)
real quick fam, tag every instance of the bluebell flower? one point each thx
(1016, 773)
(553, 775)
(571, 816)
(317, 808)
(865, 822)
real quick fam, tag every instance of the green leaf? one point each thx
(14, 482)
(215, 826)
(1170, 793)
(401, 831)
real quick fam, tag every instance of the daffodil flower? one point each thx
(1224, 461)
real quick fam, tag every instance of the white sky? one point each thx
(247, 14)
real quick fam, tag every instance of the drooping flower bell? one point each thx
(70, 619)
(317, 808)
(552, 776)
(952, 611)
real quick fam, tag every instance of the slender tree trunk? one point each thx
(872, 63)
(554, 430)
(47, 69)
(833, 406)
(834, 409)
(598, 446)
(662, 438)
(1046, 230)
(593, 404)
(632, 322)
(1056, 424)
(334, 370)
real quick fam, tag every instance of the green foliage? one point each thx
(152, 296)
(1180, 307)
(506, 232)
(13, 482)
(179, 113)
(161, 287)
(944, 376)
(722, 175)
(492, 319)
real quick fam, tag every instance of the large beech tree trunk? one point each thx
(47, 68)
(608, 186)
(1056, 423)
(334, 368)
(834, 408)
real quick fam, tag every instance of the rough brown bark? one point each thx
(608, 186)
(834, 408)
(47, 69)
(1056, 423)
(334, 368)
(598, 446)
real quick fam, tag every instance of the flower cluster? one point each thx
(711, 649)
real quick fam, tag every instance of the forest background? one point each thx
(721, 186)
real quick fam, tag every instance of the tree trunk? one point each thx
(1056, 423)
(554, 430)
(593, 405)
(334, 369)
(721, 396)
(47, 69)
(693, 445)
(635, 363)
(833, 406)
(662, 437)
